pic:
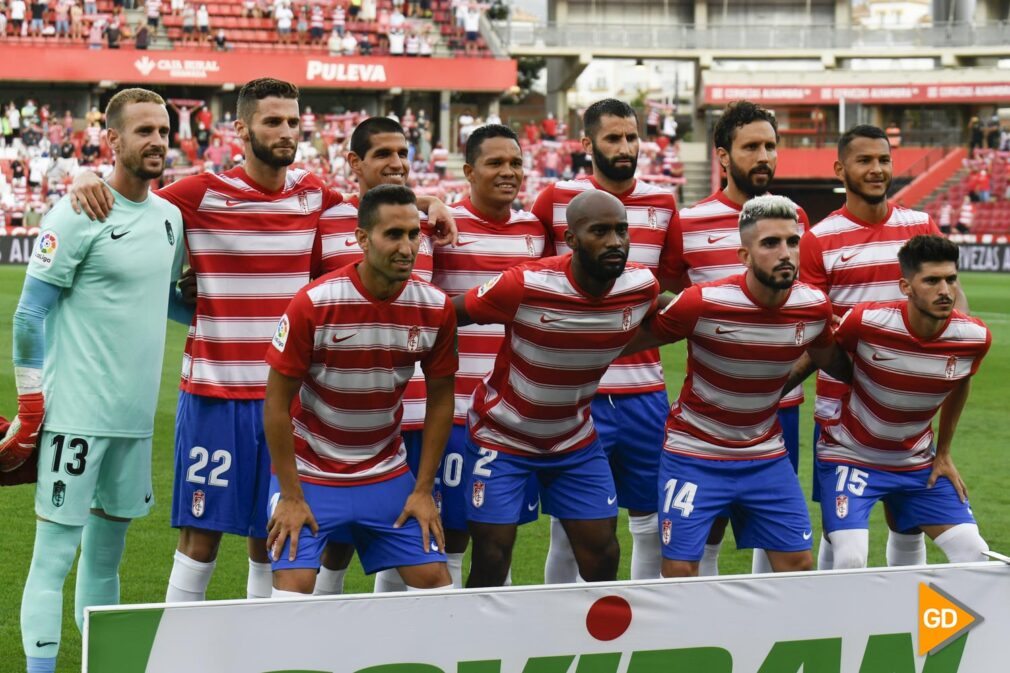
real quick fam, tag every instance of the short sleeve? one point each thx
(671, 260)
(677, 319)
(443, 359)
(933, 229)
(290, 351)
(847, 332)
(982, 351)
(497, 300)
(804, 220)
(63, 243)
(826, 337)
(543, 208)
(812, 270)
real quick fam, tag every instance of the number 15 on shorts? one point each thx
(679, 498)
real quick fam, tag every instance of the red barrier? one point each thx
(926, 184)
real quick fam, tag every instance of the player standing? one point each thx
(746, 142)
(724, 445)
(912, 358)
(631, 404)
(566, 319)
(346, 348)
(89, 331)
(852, 255)
(492, 239)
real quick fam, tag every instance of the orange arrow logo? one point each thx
(942, 619)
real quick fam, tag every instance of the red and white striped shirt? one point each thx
(707, 247)
(899, 382)
(652, 223)
(355, 354)
(854, 262)
(252, 251)
(740, 354)
(558, 343)
(485, 249)
(340, 248)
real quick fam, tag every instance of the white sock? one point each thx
(260, 581)
(709, 564)
(962, 543)
(388, 580)
(455, 564)
(508, 578)
(825, 555)
(561, 567)
(189, 579)
(646, 557)
(850, 548)
(906, 550)
(329, 582)
(281, 593)
(759, 562)
(447, 586)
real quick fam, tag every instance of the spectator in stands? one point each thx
(76, 21)
(63, 18)
(471, 25)
(317, 25)
(426, 48)
(308, 123)
(339, 19)
(39, 8)
(365, 44)
(460, 9)
(945, 215)
(552, 162)
(466, 122)
(188, 23)
(966, 217)
(142, 36)
(92, 143)
(3, 34)
(349, 44)
(177, 7)
(992, 133)
(18, 11)
(335, 44)
(354, 9)
(185, 114)
(396, 19)
(221, 40)
(893, 132)
(550, 127)
(153, 8)
(302, 26)
(6, 136)
(983, 186)
(283, 16)
(203, 23)
(976, 135)
(96, 32)
(113, 34)
(670, 126)
(397, 41)
(439, 159)
(250, 10)
(368, 9)
(413, 44)
(90, 8)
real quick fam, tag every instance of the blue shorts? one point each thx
(763, 498)
(857, 489)
(815, 488)
(631, 429)
(789, 419)
(364, 514)
(222, 466)
(573, 485)
(452, 490)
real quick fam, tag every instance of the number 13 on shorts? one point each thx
(682, 498)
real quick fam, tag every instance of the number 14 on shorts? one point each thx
(682, 498)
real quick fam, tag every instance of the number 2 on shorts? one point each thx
(201, 456)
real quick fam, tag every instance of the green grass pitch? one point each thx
(978, 454)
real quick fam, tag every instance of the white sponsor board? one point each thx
(865, 621)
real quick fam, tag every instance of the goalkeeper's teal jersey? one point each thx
(105, 339)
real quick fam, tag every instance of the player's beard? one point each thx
(266, 154)
(607, 167)
(745, 181)
(595, 268)
(872, 199)
(770, 281)
(135, 164)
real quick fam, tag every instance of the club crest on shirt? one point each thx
(667, 530)
(842, 506)
(486, 287)
(199, 503)
(280, 339)
(303, 202)
(169, 233)
(413, 339)
(951, 367)
(529, 246)
(626, 319)
(45, 248)
(653, 218)
(478, 493)
(800, 328)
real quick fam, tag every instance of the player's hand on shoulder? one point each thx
(421, 506)
(442, 223)
(92, 196)
(23, 434)
(289, 517)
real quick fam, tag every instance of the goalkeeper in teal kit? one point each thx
(89, 337)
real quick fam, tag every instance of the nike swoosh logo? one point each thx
(723, 330)
(716, 239)
(350, 242)
(148, 497)
(39, 643)
(809, 534)
(230, 203)
(116, 237)
(611, 500)
(879, 358)
(534, 506)
(544, 319)
(336, 340)
(845, 258)
(460, 244)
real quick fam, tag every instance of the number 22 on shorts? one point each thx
(682, 499)
(201, 457)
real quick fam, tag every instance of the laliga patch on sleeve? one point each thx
(486, 287)
(45, 248)
(280, 339)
